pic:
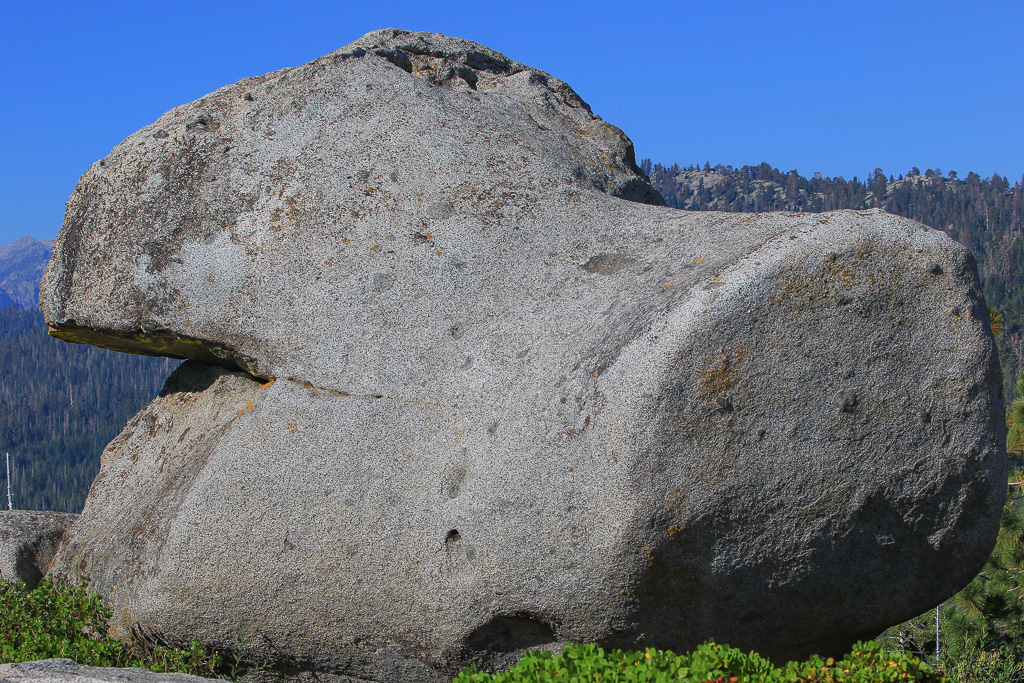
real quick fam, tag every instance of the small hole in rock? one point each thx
(453, 536)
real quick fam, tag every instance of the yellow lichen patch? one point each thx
(844, 272)
(672, 497)
(625, 592)
(249, 406)
(836, 275)
(292, 209)
(724, 371)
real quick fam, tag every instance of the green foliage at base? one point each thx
(989, 612)
(709, 663)
(1015, 421)
(53, 621)
(977, 664)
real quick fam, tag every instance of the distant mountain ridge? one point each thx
(21, 268)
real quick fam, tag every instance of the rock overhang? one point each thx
(590, 155)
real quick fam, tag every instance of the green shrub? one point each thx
(978, 664)
(709, 663)
(67, 622)
(53, 621)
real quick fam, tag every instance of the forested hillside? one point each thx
(60, 404)
(984, 214)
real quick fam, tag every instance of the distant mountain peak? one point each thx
(22, 263)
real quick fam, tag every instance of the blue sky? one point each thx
(835, 87)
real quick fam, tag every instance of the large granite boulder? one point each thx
(28, 541)
(462, 388)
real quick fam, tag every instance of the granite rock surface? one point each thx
(462, 387)
(68, 671)
(28, 540)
